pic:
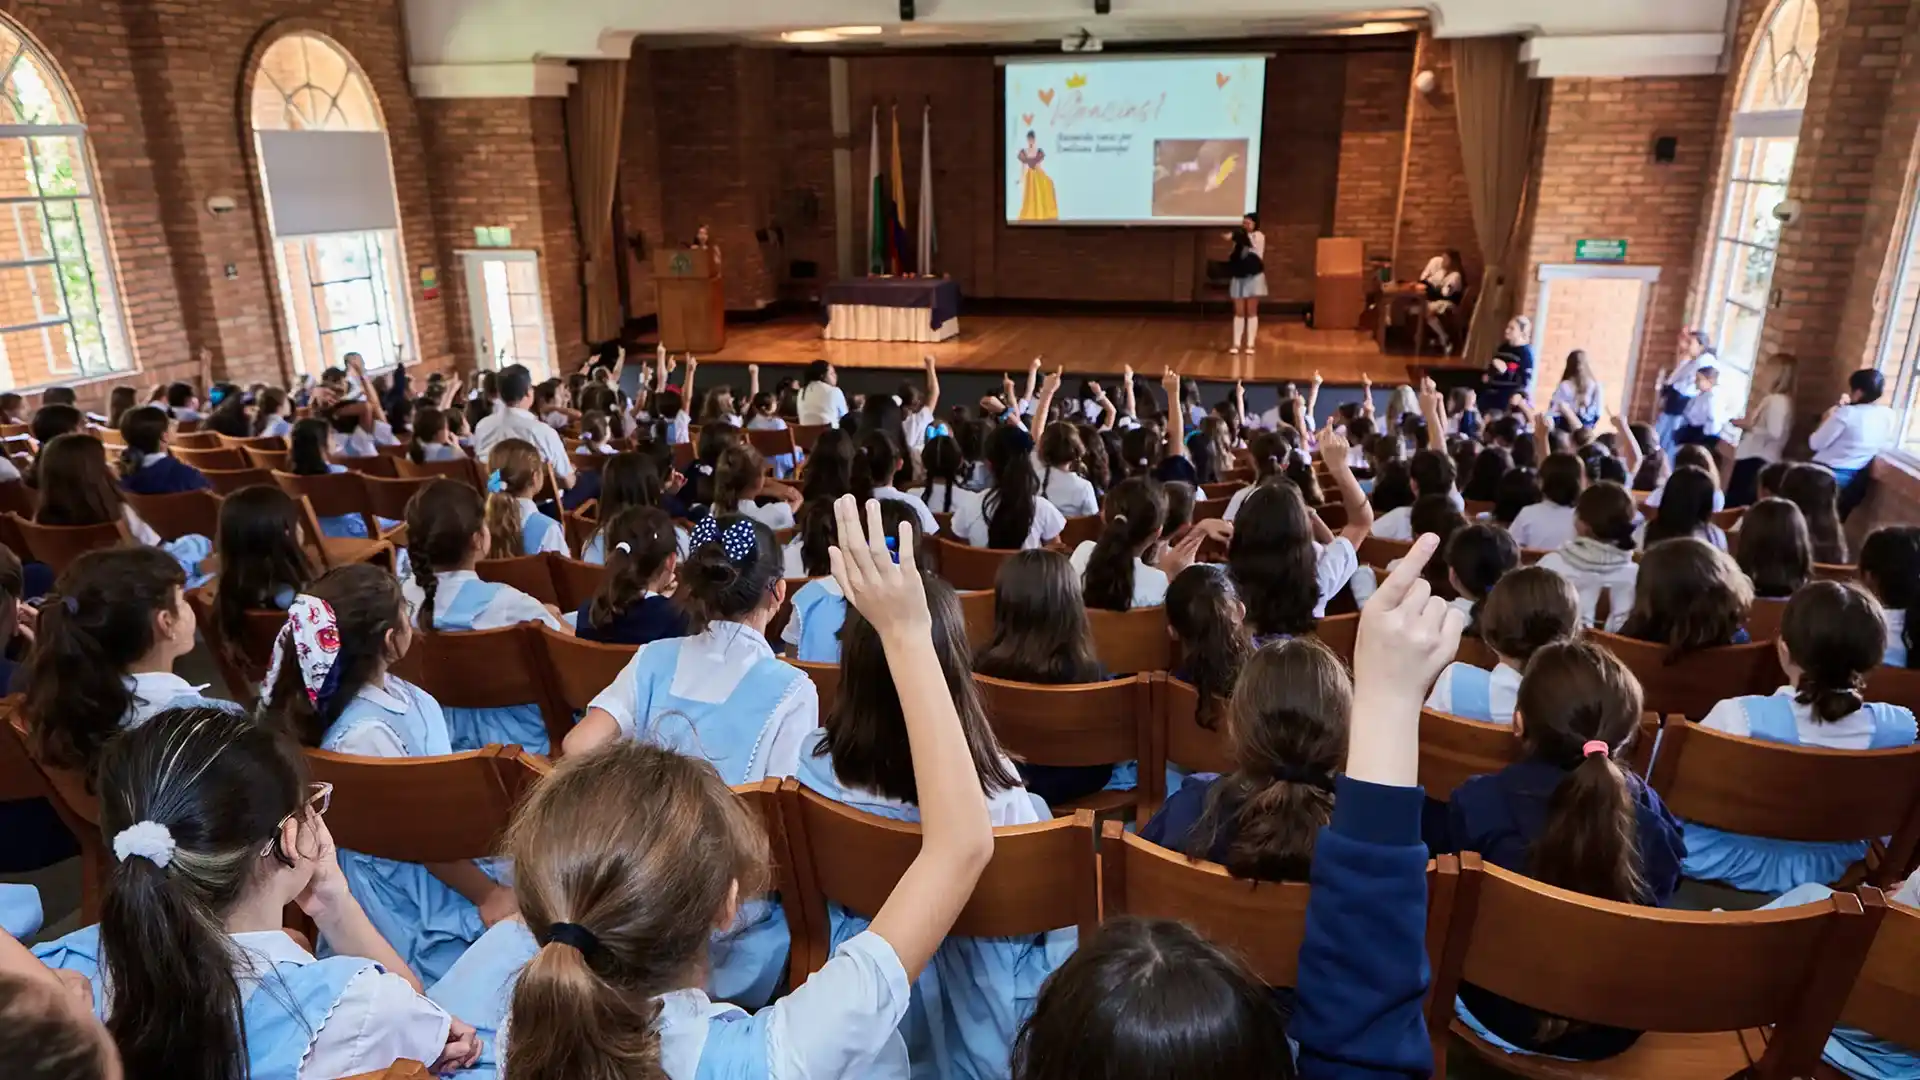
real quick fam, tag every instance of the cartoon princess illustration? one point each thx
(1038, 204)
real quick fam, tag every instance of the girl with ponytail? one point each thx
(329, 687)
(446, 538)
(945, 490)
(1206, 617)
(78, 487)
(1569, 814)
(876, 468)
(515, 525)
(739, 479)
(628, 480)
(147, 465)
(1526, 611)
(1126, 568)
(1477, 557)
(634, 603)
(1832, 637)
(1012, 515)
(216, 829)
(1287, 726)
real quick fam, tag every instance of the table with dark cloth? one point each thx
(892, 309)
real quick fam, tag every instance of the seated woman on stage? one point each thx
(1445, 283)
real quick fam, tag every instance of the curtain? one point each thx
(595, 109)
(1497, 103)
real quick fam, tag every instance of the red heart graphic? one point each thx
(1046, 97)
(1027, 119)
(1220, 79)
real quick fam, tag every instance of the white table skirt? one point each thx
(863, 322)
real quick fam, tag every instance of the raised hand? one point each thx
(1333, 447)
(889, 594)
(1170, 384)
(1317, 380)
(1407, 635)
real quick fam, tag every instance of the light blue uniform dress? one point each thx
(426, 921)
(843, 1022)
(1896, 639)
(282, 1017)
(819, 611)
(343, 526)
(20, 912)
(538, 532)
(1759, 864)
(970, 1001)
(1469, 692)
(467, 609)
(1852, 1051)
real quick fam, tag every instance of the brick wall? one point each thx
(1597, 179)
(1435, 214)
(1372, 145)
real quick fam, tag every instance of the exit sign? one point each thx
(1599, 251)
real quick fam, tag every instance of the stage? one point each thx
(1092, 345)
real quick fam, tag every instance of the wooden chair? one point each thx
(1041, 876)
(1085, 724)
(1699, 984)
(218, 457)
(179, 514)
(1836, 572)
(804, 435)
(485, 669)
(577, 669)
(1080, 530)
(1378, 552)
(262, 442)
(377, 464)
(574, 581)
(331, 551)
(1896, 686)
(387, 497)
(1224, 489)
(460, 469)
(17, 498)
(1760, 788)
(188, 433)
(1474, 508)
(68, 790)
(59, 545)
(227, 481)
(1262, 923)
(826, 680)
(1332, 515)
(1474, 653)
(976, 608)
(1132, 641)
(1339, 633)
(1697, 682)
(425, 809)
(1764, 619)
(965, 566)
(1885, 1001)
(1210, 509)
(1176, 737)
(244, 672)
(271, 460)
(331, 495)
(1454, 750)
(1729, 519)
(767, 802)
(528, 573)
(399, 1070)
(773, 443)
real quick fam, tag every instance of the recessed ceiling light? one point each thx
(809, 37)
(854, 31)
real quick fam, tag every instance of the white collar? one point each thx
(153, 686)
(682, 1025)
(456, 575)
(268, 947)
(383, 696)
(148, 459)
(733, 633)
(527, 506)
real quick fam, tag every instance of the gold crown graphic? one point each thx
(1075, 82)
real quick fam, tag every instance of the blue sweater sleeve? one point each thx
(1363, 966)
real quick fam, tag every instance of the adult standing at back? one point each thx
(1678, 389)
(1854, 432)
(821, 401)
(514, 419)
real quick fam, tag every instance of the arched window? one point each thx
(59, 305)
(1765, 134)
(328, 181)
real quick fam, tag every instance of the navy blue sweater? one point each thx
(651, 619)
(167, 476)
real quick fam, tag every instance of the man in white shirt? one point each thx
(1703, 421)
(514, 420)
(1696, 351)
(1853, 433)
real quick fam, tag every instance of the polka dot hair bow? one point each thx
(313, 633)
(737, 540)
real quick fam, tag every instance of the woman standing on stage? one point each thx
(703, 241)
(1249, 269)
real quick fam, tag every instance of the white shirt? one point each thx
(1896, 630)
(1583, 405)
(1149, 582)
(821, 403)
(1233, 504)
(277, 425)
(1853, 435)
(948, 498)
(153, 693)
(1681, 381)
(1543, 526)
(1617, 582)
(378, 1020)
(710, 666)
(1705, 412)
(1069, 492)
(1852, 732)
(923, 516)
(557, 419)
(1397, 524)
(971, 522)
(1333, 566)
(1653, 498)
(505, 423)
(766, 423)
(138, 528)
(679, 428)
(509, 606)
(555, 539)
(1767, 438)
(358, 444)
(775, 515)
(1503, 691)
(1437, 275)
(914, 426)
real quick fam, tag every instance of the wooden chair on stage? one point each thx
(1131, 641)
(1075, 725)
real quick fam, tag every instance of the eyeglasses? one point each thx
(319, 797)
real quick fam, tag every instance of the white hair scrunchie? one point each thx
(148, 839)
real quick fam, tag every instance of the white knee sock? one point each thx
(1253, 330)
(1239, 327)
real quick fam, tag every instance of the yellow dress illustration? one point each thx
(1037, 203)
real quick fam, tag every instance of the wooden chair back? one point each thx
(574, 581)
(1080, 530)
(242, 673)
(1041, 876)
(826, 681)
(967, 567)
(263, 442)
(272, 460)
(17, 498)
(1785, 792)
(1699, 974)
(59, 545)
(528, 573)
(178, 514)
(1132, 641)
(375, 464)
(766, 801)
(425, 809)
(1474, 652)
(485, 669)
(332, 495)
(1210, 509)
(1841, 572)
(772, 443)
(188, 433)
(79, 810)
(1379, 552)
(461, 469)
(805, 434)
(1885, 1001)
(227, 481)
(1339, 633)
(1454, 750)
(218, 457)
(1695, 683)
(1086, 724)
(577, 669)
(1177, 737)
(580, 524)
(1895, 686)
(387, 497)
(976, 608)
(1263, 923)
(1221, 489)
(1764, 619)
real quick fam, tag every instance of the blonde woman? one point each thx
(1763, 431)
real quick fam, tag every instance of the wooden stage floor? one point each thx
(1196, 346)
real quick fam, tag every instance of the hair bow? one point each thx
(495, 483)
(738, 540)
(936, 430)
(314, 634)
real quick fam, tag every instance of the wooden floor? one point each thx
(1089, 344)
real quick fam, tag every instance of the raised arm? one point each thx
(933, 386)
(1176, 436)
(1043, 408)
(375, 413)
(1434, 408)
(956, 837)
(1106, 407)
(1240, 402)
(686, 388)
(753, 387)
(1629, 446)
(1333, 451)
(1033, 376)
(1126, 393)
(1307, 421)
(1366, 394)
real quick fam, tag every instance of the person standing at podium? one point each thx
(703, 241)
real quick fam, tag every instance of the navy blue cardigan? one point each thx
(168, 476)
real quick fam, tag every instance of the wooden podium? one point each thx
(691, 299)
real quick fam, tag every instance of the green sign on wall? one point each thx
(1599, 251)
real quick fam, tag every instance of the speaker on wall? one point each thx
(1665, 149)
(1103, 7)
(906, 10)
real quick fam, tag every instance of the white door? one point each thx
(1597, 307)
(504, 304)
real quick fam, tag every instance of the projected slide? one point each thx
(1169, 140)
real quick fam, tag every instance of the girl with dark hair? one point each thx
(1518, 489)
(1116, 571)
(1700, 458)
(1271, 457)
(1062, 462)
(1430, 472)
(828, 471)
(628, 479)
(723, 696)
(446, 538)
(1206, 617)
(1285, 562)
(1528, 610)
(1812, 489)
(308, 455)
(1547, 524)
(1599, 559)
(945, 468)
(515, 525)
(1287, 734)
(1890, 569)
(813, 629)
(1689, 596)
(272, 415)
(975, 989)
(821, 402)
(1478, 556)
(77, 488)
(232, 413)
(119, 400)
(876, 467)
(1570, 814)
(263, 561)
(1773, 549)
(1489, 465)
(739, 478)
(1012, 514)
(329, 687)
(1831, 639)
(1392, 487)
(217, 829)
(433, 439)
(147, 465)
(634, 603)
(1686, 510)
